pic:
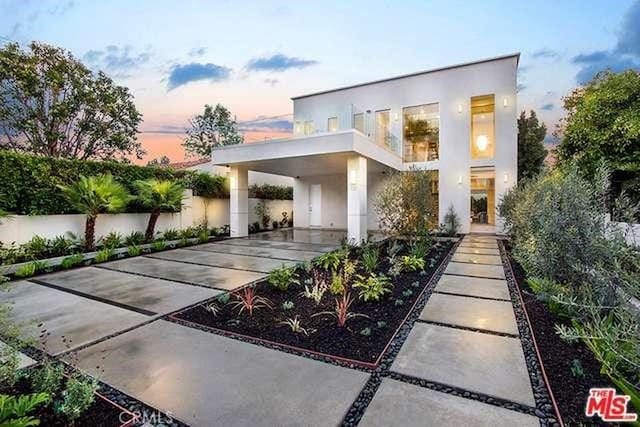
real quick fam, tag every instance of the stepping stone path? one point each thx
(466, 338)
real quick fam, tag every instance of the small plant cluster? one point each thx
(338, 279)
(580, 265)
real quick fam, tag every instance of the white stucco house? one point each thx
(458, 120)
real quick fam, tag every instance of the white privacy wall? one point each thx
(21, 228)
(450, 88)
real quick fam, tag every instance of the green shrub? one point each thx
(134, 238)
(288, 305)
(370, 259)
(159, 245)
(282, 278)
(406, 263)
(203, 236)
(270, 192)
(451, 224)
(29, 269)
(72, 261)
(207, 185)
(112, 240)
(104, 255)
(372, 288)
(30, 183)
(134, 250)
(329, 261)
(47, 378)
(337, 284)
(170, 234)
(78, 396)
(15, 410)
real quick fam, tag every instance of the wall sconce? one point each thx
(506, 177)
(232, 182)
(505, 102)
(395, 117)
(482, 142)
(353, 178)
(459, 108)
(460, 180)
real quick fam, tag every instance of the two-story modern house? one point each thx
(459, 121)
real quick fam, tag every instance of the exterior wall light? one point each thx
(482, 142)
(506, 177)
(459, 108)
(395, 117)
(505, 102)
(459, 179)
(353, 178)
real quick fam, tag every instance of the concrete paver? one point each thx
(258, 251)
(470, 312)
(400, 404)
(475, 361)
(477, 259)
(479, 251)
(210, 380)
(473, 286)
(214, 277)
(475, 270)
(280, 245)
(155, 295)
(65, 315)
(214, 259)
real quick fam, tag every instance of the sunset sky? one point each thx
(175, 56)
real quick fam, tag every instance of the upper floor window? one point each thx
(421, 133)
(482, 127)
(332, 124)
(309, 128)
(298, 128)
(383, 123)
(358, 122)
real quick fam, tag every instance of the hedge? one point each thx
(270, 192)
(28, 184)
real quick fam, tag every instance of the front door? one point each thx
(315, 205)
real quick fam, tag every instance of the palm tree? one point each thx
(94, 195)
(159, 196)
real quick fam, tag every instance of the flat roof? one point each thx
(433, 70)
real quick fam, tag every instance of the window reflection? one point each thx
(421, 133)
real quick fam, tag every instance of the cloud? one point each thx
(623, 56)
(118, 61)
(61, 8)
(547, 107)
(268, 124)
(278, 62)
(180, 75)
(594, 62)
(197, 51)
(166, 129)
(546, 54)
(271, 82)
(629, 33)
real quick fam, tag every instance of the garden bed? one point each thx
(364, 338)
(102, 412)
(569, 381)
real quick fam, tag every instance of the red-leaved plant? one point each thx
(341, 312)
(248, 299)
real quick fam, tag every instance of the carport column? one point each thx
(357, 199)
(239, 203)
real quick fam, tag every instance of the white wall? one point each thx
(450, 88)
(21, 228)
(333, 200)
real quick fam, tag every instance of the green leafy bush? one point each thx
(112, 240)
(370, 259)
(270, 192)
(104, 255)
(27, 270)
(78, 396)
(15, 410)
(406, 263)
(72, 261)
(170, 234)
(159, 245)
(134, 250)
(372, 288)
(134, 238)
(330, 260)
(282, 278)
(451, 224)
(47, 378)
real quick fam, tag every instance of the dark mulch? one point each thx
(363, 339)
(101, 413)
(557, 355)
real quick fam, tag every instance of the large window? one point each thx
(383, 122)
(482, 127)
(298, 128)
(332, 124)
(421, 133)
(358, 122)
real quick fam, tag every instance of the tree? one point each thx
(531, 151)
(161, 161)
(159, 196)
(603, 123)
(213, 128)
(407, 205)
(53, 105)
(95, 195)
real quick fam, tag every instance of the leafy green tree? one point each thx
(159, 196)
(531, 151)
(95, 195)
(603, 123)
(51, 104)
(213, 128)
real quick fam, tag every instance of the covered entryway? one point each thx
(483, 200)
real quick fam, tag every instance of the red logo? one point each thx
(609, 406)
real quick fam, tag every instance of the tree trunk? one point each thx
(90, 232)
(151, 226)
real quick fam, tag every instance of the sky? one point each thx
(253, 56)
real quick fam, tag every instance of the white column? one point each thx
(357, 199)
(239, 201)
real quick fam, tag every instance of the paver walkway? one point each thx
(466, 338)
